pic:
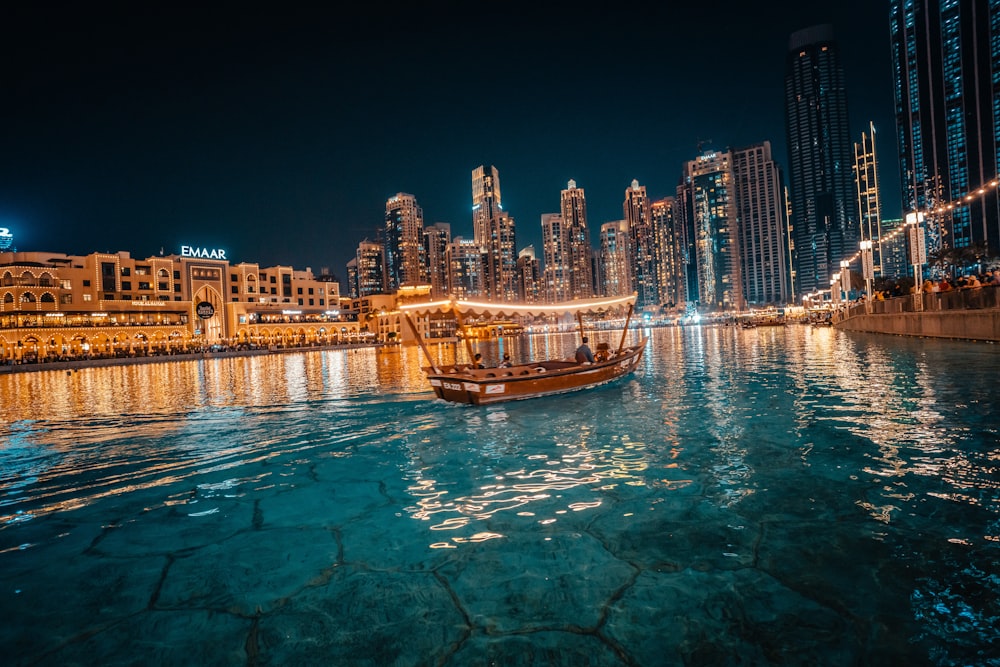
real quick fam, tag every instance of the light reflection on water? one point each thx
(844, 478)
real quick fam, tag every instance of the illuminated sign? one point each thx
(291, 312)
(205, 310)
(202, 253)
(158, 304)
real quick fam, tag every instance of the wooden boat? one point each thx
(460, 383)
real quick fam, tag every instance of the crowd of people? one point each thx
(943, 284)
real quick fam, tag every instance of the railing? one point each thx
(976, 298)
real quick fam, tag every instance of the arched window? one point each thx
(48, 298)
(46, 280)
(8, 297)
(162, 273)
(27, 278)
(27, 297)
(8, 279)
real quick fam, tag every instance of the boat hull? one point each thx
(546, 378)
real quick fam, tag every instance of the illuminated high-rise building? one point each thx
(895, 263)
(642, 240)
(369, 269)
(6, 240)
(529, 279)
(668, 246)
(555, 251)
(759, 207)
(486, 201)
(820, 162)
(946, 70)
(494, 232)
(466, 272)
(708, 181)
(573, 206)
(869, 200)
(405, 263)
(615, 275)
(437, 237)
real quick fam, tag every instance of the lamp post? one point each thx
(845, 278)
(835, 289)
(918, 253)
(867, 271)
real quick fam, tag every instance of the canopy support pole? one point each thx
(468, 344)
(420, 342)
(628, 318)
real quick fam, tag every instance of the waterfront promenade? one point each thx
(967, 314)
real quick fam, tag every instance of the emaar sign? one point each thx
(202, 253)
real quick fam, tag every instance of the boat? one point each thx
(461, 383)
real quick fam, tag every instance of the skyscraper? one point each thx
(528, 276)
(820, 162)
(946, 67)
(642, 255)
(614, 279)
(437, 238)
(668, 249)
(573, 205)
(368, 270)
(465, 269)
(555, 252)
(759, 206)
(405, 263)
(494, 232)
(708, 180)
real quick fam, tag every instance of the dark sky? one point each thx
(278, 132)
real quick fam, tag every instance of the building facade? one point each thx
(615, 277)
(403, 241)
(824, 210)
(759, 206)
(494, 232)
(56, 306)
(668, 248)
(946, 71)
(573, 207)
(708, 180)
(642, 240)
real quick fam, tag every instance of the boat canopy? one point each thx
(485, 308)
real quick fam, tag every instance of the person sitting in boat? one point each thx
(506, 362)
(583, 353)
(478, 361)
(603, 352)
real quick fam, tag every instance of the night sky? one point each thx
(278, 134)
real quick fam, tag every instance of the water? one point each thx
(783, 495)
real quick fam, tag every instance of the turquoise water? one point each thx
(780, 495)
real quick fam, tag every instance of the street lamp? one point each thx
(867, 270)
(918, 253)
(845, 278)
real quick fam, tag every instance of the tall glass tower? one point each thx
(820, 158)
(946, 67)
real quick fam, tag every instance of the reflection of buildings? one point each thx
(111, 304)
